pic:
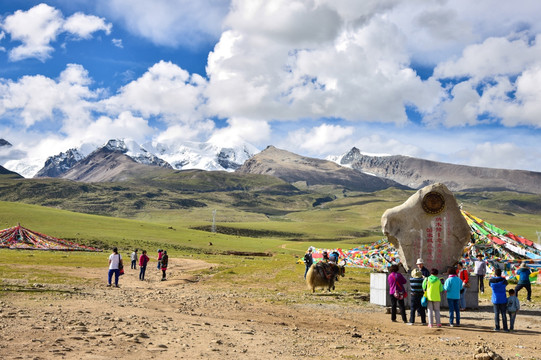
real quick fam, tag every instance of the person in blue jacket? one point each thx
(453, 285)
(524, 280)
(499, 299)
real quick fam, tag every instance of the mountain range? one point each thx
(179, 156)
(122, 159)
(294, 168)
(417, 173)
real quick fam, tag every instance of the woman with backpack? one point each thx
(397, 291)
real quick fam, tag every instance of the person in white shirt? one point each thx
(480, 271)
(115, 263)
(134, 259)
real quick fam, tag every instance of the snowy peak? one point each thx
(135, 151)
(203, 155)
(59, 164)
(180, 156)
(351, 156)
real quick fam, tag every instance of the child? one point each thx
(513, 306)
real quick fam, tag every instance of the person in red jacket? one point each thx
(143, 261)
(465, 277)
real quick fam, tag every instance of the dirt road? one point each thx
(185, 318)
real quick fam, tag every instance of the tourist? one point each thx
(453, 285)
(115, 264)
(513, 306)
(421, 266)
(325, 256)
(164, 263)
(160, 254)
(524, 280)
(465, 277)
(398, 292)
(143, 261)
(480, 271)
(433, 287)
(308, 260)
(416, 287)
(134, 259)
(334, 257)
(499, 299)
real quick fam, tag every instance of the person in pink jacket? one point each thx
(397, 290)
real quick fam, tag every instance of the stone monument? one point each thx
(429, 225)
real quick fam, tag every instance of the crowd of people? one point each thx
(116, 265)
(426, 288)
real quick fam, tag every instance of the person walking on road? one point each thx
(164, 263)
(143, 261)
(134, 259)
(115, 263)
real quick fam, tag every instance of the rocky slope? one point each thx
(293, 168)
(417, 173)
(104, 165)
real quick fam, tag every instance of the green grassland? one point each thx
(256, 214)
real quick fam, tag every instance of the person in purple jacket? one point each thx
(397, 290)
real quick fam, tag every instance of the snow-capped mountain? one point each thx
(136, 152)
(59, 164)
(180, 156)
(203, 155)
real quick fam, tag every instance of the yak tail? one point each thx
(311, 277)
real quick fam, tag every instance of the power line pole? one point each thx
(213, 221)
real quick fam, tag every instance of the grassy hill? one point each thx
(286, 232)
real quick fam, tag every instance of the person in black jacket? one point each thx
(308, 261)
(164, 263)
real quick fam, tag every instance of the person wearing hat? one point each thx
(524, 280)
(417, 292)
(421, 266)
(480, 270)
(308, 260)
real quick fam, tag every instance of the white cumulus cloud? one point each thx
(170, 22)
(319, 140)
(84, 26)
(164, 90)
(40, 26)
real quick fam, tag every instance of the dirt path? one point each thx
(185, 318)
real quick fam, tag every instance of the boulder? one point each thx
(430, 226)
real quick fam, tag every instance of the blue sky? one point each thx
(455, 81)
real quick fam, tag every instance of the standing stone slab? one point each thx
(429, 225)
